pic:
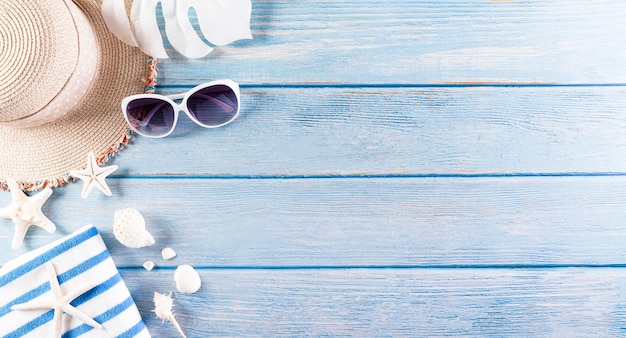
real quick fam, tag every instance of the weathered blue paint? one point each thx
(407, 168)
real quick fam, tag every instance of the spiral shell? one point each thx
(129, 228)
(163, 305)
(163, 308)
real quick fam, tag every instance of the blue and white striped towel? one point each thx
(79, 258)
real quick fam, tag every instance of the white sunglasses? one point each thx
(210, 105)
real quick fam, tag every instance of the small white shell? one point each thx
(187, 279)
(148, 265)
(129, 228)
(168, 253)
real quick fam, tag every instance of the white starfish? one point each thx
(26, 211)
(60, 303)
(94, 176)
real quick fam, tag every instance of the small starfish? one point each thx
(94, 176)
(60, 303)
(26, 211)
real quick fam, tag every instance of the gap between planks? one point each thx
(395, 267)
(374, 175)
(406, 85)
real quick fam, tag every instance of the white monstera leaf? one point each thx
(221, 22)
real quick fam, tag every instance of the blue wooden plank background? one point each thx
(419, 168)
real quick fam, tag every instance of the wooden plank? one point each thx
(338, 41)
(520, 221)
(404, 302)
(380, 131)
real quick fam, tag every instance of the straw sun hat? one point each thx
(62, 78)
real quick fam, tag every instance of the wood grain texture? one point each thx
(523, 221)
(393, 302)
(440, 41)
(406, 168)
(379, 131)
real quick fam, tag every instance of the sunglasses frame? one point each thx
(183, 105)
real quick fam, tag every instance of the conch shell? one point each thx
(163, 308)
(129, 228)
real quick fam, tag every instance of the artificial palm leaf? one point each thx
(221, 22)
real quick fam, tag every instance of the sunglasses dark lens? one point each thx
(213, 106)
(150, 116)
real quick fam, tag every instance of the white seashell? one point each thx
(148, 265)
(168, 253)
(163, 308)
(129, 228)
(187, 279)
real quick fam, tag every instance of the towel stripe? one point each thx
(64, 277)
(102, 318)
(84, 266)
(80, 256)
(96, 291)
(133, 331)
(34, 293)
(49, 315)
(47, 256)
(33, 324)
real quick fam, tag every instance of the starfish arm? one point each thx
(92, 165)
(79, 174)
(102, 185)
(105, 171)
(54, 282)
(18, 198)
(20, 233)
(34, 204)
(74, 312)
(7, 212)
(72, 295)
(41, 197)
(40, 220)
(58, 323)
(16, 193)
(46, 224)
(86, 177)
(35, 304)
(87, 187)
(101, 176)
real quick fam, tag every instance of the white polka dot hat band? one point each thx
(62, 78)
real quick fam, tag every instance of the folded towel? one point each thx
(78, 260)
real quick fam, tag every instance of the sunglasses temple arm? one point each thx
(148, 117)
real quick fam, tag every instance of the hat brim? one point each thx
(43, 156)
